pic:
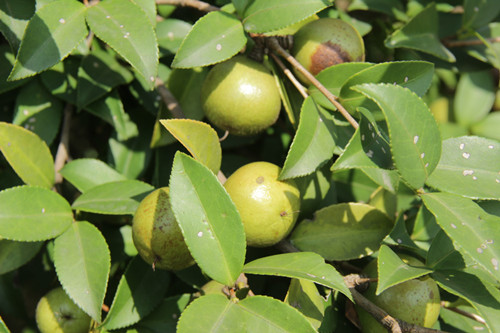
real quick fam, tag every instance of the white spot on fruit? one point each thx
(399, 241)
(415, 139)
(406, 79)
(474, 178)
(453, 226)
(426, 164)
(218, 47)
(200, 234)
(479, 250)
(362, 137)
(466, 155)
(62, 21)
(369, 154)
(152, 78)
(170, 35)
(490, 146)
(422, 155)
(43, 210)
(26, 112)
(108, 17)
(462, 146)
(121, 25)
(468, 172)
(494, 262)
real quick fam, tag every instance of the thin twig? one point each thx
(473, 316)
(169, 99)
(470, 42)
(200, 5)
(290, 76)
(273, 44)
(62, 154)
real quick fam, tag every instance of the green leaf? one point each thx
(130, 157)
(469, 166)
(215, 313)
(478, 13)
(164, 317)
(15, 254)
(7, 59)
(114, 198)
(30, 214)
(488, 127)
(300, 265)
(14, 16)
(393, 8)
(61, 79)
(343, 231)
(413, 131)
(399, 237)
(171, 33)
(442, 254)
(392, 270)
(185, 85)
(488, 52)
(149, 8)
(199, 138)
(304, 296)
(125, 27)
(421, 34)
(111, 110)
(85, 173)
(3, 327)
(313, 143)
(465, 222)
(414, 75)
(99, 72)
(484, 297)
(27, 154)
(140, 290)
(52, 33)
(474, 97)
(215, 37)
(38, 111)
(212, 229)
(83, 261)
(268, 15)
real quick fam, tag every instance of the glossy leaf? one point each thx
(478, 13)
(111, 110)
(304, 296)
(469, 166)
(99, 72)
(140, 290)
(474, 230)
(149, 8)
(392, 270)
(27, 154)
(125, 27)
(3, 327)
(51, 34)
(300, 265)
(343, 231)
(268, 15)
(215, 313)
(474, 97)
(421, 33)
(199, 138)
(442, 254)
(85, 173)
(414, 75)
(215, 37)
(414, 135)
(484, 297)
(313, 143)
(30, 214)
(171, 33)
(38, 111)
(83, 261)
(114, 198)
(212, 228)
(15, 254)
(14, 16)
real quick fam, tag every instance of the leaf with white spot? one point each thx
(125, 27)
(469, 166)
(466, 223)
(414, 134)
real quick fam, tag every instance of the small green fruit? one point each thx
(241, 96)
(415, 301)
(157, 235)
(268, 207)
(57, 313)
(326, 42)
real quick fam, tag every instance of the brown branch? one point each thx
(200, 5)
(290, 76)
(169, 99)
(472, 316)
(273, 44)
(470, 42)
(62, 154)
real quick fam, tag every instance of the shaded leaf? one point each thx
(304, 296)
(15, 254)
(51, 34)
(125, 27)
(14, 16)
(215, 313)
(488, 127)
(212, 229)
(442, 254)
(164, 317)
(399, 236)
(33, 214)
(61, 79)
(85, 173)
(478, 13)
(393, 8)
(27, 154)
(171, 33)
(83, 261)
(421, 33)
(474, 230)
(313, 143)
(114, 198)
(7, 59)
(185, 85)
(140, 290)
(215, 37)
(268, 15)
(300, 265)
(469, 166)
(412, 129)
(199, 138)
(342, 231)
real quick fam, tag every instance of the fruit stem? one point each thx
(200, 5)
(472, 316)
(169, 99)
(274, 45)
(290, 76)
(62, 154)
(471, 42)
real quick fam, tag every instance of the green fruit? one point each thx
(157, 235)
(415, 301)
(57, 313)
(326, 42)
(268, 207)
(240, 96)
